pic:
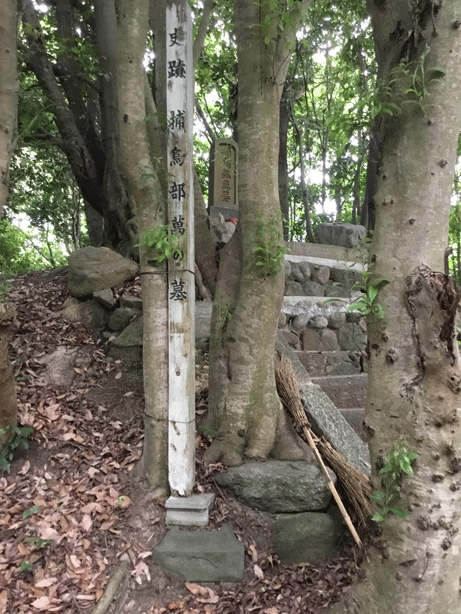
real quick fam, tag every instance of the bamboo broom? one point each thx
(356, 485)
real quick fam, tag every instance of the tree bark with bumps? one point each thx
(8, 112)
(414, 370)
(245, 413)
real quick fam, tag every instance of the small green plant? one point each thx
(25, 567)
(38, 542)
(398, 463)
(418, 79)
(164, 242)
(269, 251)
(35, 509)
(415, 78)
(367, 304)
(16, 443)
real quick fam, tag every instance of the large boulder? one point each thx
(327, 421)
(278, 487)
(96, 268)
(311, 537)
(345, 235)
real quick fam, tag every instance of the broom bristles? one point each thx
(356, 485)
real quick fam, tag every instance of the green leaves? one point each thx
(269, 251)
(398, 463)
(163, 242)
(367, 304)
(17, 443)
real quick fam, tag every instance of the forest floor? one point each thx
(71, 513)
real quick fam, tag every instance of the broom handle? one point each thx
(332, 487)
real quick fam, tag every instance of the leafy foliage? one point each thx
(16, 443)
(398, 463)
(269, 251)
(163, 242)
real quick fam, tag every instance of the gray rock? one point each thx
(305, 269)
(132, 302)
(345, 235)
(329, 340)
(311, 537)
(278, 486)
(76, 311)
(337, 319)
(90, 313)
(318, 322)
(351, 337)
(291, 338)
(100, 316)
(293, 288)
(326, 421)
(300, 321)
(97, 268)
(345, 277)
(321, 274)
(312, 288)
(310, 340)
(131, 336)
(105, 298)
(314, 362)
(121, 318)
(201, 556)
(296, 273)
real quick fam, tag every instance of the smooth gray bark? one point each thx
(414, 370)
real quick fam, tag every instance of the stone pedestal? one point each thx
(190, 511)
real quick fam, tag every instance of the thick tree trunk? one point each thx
(414, 370)
(8, 110)
(8, 93)
(247, 413)
(151, 213)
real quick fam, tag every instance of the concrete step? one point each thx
(346, 391)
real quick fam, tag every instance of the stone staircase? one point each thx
(327, 349)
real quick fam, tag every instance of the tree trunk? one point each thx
(284, 122)
(244, 407)
(151, 213)
(93, 163)
(8, 93)
(8, 111)
(414, 371)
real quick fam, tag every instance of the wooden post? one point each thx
(181, 283)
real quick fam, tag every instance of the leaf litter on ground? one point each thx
(71, 511)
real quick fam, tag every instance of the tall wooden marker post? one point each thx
(181, 281)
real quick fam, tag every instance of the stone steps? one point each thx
(346, 391)
(337, 362)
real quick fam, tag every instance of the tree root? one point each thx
(117, 583)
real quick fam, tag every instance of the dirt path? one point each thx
(71, 514)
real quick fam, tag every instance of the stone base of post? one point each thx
(190, 511)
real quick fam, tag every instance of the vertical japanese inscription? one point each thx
(181, 286)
